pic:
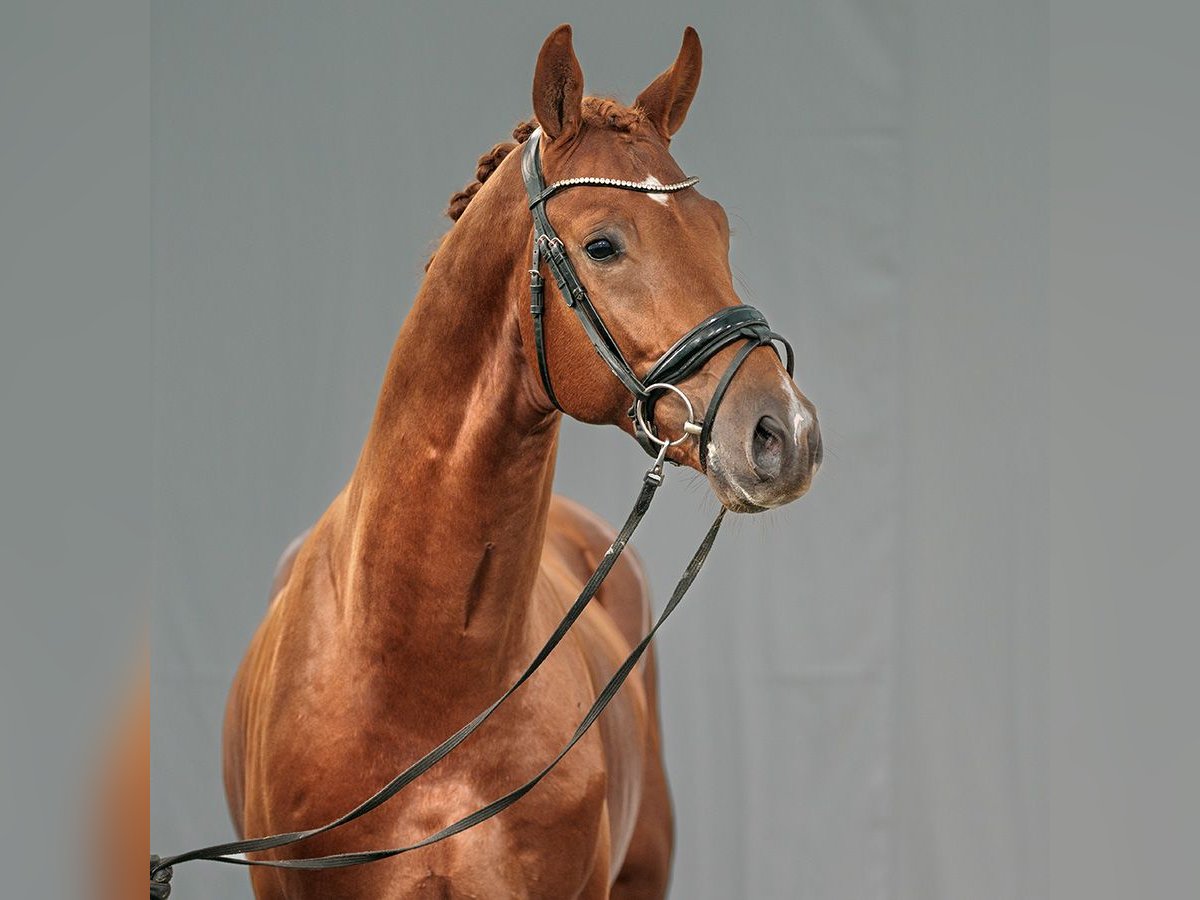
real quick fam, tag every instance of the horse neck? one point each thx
(447, 507)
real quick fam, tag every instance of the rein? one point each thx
(161, 869)
(684, 358)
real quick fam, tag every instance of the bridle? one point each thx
(686, 356)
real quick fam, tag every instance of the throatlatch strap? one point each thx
(537, 304)
(547, 243)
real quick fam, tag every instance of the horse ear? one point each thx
(668, 97)
(558, 86)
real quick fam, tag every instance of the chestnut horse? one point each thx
(437, 573)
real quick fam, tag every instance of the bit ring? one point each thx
(690, 427)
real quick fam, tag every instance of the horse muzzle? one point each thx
(765, 448)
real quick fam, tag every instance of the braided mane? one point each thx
(599, 112)
(488, 163)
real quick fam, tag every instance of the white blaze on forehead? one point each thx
(651, 181)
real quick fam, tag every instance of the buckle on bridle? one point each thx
(655, 475)
(536, 301)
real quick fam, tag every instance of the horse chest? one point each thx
(549, 844)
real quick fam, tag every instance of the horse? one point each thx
(435, 574)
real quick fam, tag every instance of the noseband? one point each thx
(685, 357)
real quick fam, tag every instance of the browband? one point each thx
(594, 181)
(685, 357)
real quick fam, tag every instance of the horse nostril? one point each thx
(766, 448)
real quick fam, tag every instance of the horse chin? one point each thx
(737, 499)
(740, 505)
(744, 493)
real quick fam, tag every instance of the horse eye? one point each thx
(601, 249)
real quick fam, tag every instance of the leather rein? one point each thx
(685, 357)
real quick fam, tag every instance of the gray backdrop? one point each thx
(979, 630)
(848, 694)
(991, 233)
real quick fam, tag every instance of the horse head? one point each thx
(654, 264)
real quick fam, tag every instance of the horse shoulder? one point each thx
(249, 682)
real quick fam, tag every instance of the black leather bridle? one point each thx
(685, 357)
